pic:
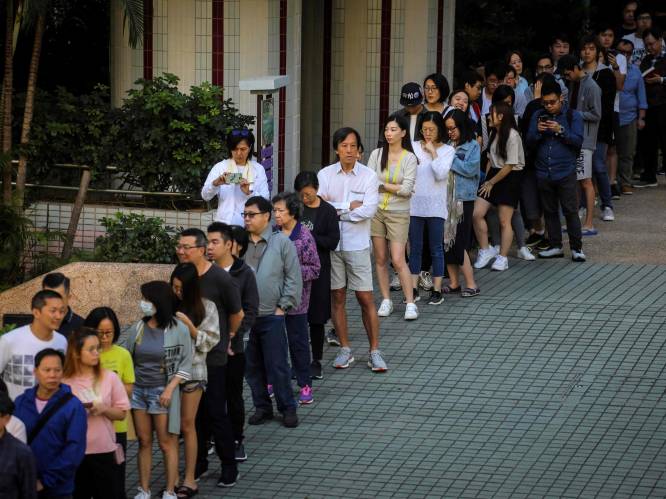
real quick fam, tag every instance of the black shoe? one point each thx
(239, 452)
(543, 245)
(290, 419)
(200, 470)
(316, 370)
(615, 192)
(533, 240)
(260, 417)
(332, 338)
(436, 298)
(641, 184)
(229, 476)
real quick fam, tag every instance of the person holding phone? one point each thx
(236, 179)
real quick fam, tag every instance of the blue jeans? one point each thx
(266, 359)
(600, 174)
(436, 237)
(299, 347)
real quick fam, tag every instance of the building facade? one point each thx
(345, 59)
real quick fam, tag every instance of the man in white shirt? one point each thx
(643, 23)
(19, 346)
(235, 180)
(352, 189)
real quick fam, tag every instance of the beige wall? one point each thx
(181, 45)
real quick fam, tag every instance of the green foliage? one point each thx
(166, 140)
(136, 238)
(6, 328)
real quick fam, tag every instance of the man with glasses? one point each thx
(212, 417)
(545, 64)
(275, 262)
(494, 72)
(643, 23)
(556, 134)
(472, 83)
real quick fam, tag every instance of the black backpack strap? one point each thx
(48, 414)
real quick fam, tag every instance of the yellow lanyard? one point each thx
(387, 196)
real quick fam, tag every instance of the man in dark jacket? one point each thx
(60, 445)
(222, 241)
(556, 134)
(18, 478)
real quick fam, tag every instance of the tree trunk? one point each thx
(28, 112)
(76, 214)
(7, 105)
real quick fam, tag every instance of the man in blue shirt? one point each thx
(556, 134)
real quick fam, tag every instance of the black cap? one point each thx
(411, 94)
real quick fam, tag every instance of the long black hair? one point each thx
(403, 124)
(160, 294)
(191, 303)
(464, 125)
(502, 133)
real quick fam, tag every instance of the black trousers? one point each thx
(654, 139)
(96, 477)
(235, 402)
(121, 438)
(553, 194)
(213, 419)
(317, 341)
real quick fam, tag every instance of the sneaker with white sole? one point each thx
(500, 263)
(425, 281)
(142, 494)
(169, 495)
(578, 256)
(607, 214)
(385, 309)
(551, 253)
(395, 283)
(332, 338)
(376, 362)
(525, 253)
(411, 312)
(582, 213)
(344, 358)
(484, 257)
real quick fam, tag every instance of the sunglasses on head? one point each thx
(240, 133)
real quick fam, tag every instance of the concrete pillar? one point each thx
(125, 63)
(181, 53)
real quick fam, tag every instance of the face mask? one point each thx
(147, 308)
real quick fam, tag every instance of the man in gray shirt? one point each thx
(274, 260)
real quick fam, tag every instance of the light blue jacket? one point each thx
(466, 167)
(632, 96)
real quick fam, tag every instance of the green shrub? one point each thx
(135, 238)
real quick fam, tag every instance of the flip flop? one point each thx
(184, 491)
(448, 290)
(469, 292)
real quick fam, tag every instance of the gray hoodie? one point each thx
(589, 105)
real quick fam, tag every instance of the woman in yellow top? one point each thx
(395, 165)
(114, 358)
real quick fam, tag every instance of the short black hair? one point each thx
(563, 37)
(471, 77)
(567, 63)
(437, 119)
(49, 352)
(342, 133)
(306, 179)
(260, 202)
(441, 83)
(241, 238)
(547, 78)
(6, 404)
(604, 25)
(55, 280)
(160, 294)
(464, 125)
(39, 300)
(653, 32)
(642, 9)
(98, 314)
(497, 68)
(551, 87)
(509, 54)
(292, 202)
(502, 92)
(198, 235)
(236, 136)
(223, 229)
(590, 39)
(545, 56)
(625, 40)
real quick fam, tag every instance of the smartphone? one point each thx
(233, 178)
(543, 118)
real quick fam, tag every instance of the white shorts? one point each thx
(584, 164)
(352, 270)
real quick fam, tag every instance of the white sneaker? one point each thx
(484, 257)
(385, 308)
(500, 263)
(395, 283)
(577, 256)
(582, 213)
(525, 253)
(169, 495)
(411, 312)
(142, 494)
(425, 281)
(607, 215)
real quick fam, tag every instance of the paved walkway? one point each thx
(551, 383)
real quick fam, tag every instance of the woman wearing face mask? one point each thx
(395, 165)
(105, 399)
(203, 323)
(161, 349)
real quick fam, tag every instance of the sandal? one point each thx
(469, 292)
(448, 290)
(184, 491)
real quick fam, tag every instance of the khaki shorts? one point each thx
(391, 225)
(351, 270)
(584, 164)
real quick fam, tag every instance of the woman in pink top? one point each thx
(105, 399)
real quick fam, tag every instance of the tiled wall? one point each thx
(432, 37)
(232, 49)
(372, 62)
(397, 52)
(160, 37)
(203, 33)
(337, 61)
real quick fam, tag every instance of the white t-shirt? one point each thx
(639, 48)
(17, 357)
(622, 64)
(515, 154)
(16, 429)
(485, 103)
(412, 124)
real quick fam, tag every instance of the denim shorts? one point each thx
(148, 399)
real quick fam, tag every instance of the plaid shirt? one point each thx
(208, 335)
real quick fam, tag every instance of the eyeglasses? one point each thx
(103, 334)
(545, 68)
(250, 214)
(430, 89)
(452, 129)
(186, 247)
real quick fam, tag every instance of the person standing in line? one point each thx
(235, 179)
(114, 358)
(56, 423)
(19, 346)
(395, 167)
(103, 395)
(436, 89)
(60, 283)
(353, 190)
(275, 262)
(17, 464)
(322, 221)
(287, 209)
(643, 23)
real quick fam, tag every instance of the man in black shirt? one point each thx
(59, 283)
(212, 417)
(17, 464)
